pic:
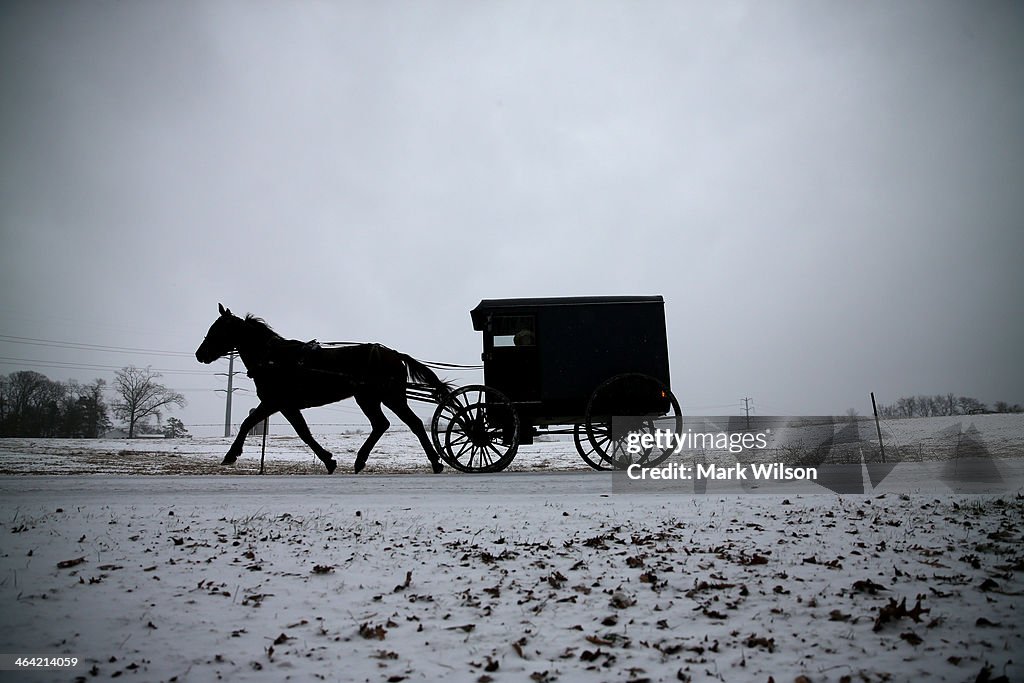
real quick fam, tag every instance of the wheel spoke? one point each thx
(465, 448)
(494, 448)
(462, 448)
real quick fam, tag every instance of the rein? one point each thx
(437, 365)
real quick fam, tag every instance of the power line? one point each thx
(10, 360)
(197, 389)
(90, 347)
(694, 406)
(393, 428)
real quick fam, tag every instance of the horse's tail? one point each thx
(418, 372)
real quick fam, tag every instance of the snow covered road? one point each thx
(515, 576)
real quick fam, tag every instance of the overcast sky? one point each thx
(828, 194)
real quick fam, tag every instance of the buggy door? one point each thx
(511, 357)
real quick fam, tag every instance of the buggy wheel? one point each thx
(639, 404)
(476, 429)
(586, 449)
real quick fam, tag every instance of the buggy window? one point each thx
(514, 330)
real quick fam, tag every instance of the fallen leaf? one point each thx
(371, 632)
(70, 563)
(911, 638)
(868, 586)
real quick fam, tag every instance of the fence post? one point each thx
(878, 428)
(263, 450)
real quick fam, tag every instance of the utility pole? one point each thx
(746, 406)
(229, 391)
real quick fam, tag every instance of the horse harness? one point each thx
(294, 355)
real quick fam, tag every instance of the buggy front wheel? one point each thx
(476, 429)
(587, 450)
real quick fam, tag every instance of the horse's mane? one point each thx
(260, 323)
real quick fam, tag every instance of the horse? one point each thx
(292, 375)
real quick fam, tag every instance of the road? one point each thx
(509, 488)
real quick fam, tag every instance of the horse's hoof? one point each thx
(437, 467)
(229, 460)
(332, 465)
(358, 467)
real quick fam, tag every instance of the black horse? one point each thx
(291, 375)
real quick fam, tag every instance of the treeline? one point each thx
(941, 405)
(31, 404)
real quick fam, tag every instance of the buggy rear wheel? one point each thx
(476, 429)
(632, 403)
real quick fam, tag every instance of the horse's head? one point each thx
(222, 337)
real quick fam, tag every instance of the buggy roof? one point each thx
(487, 306)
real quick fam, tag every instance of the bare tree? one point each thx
(970, 406)
(25, 394)
(907, 406)
(139, 396)
(924, 405)
(950, 404)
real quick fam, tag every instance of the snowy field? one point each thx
(398, 452)
(540, 574)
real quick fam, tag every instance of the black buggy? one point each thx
(561, 366)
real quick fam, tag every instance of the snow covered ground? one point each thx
(540, 574)
(397, 452)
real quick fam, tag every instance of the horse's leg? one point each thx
(378, 425)
(399, 405)
(260, 413)
(294, 416)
